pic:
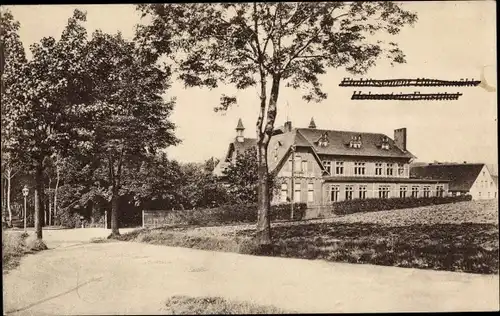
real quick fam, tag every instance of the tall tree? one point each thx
(12, 62)
(268, 45)
(130, 115)
(47, 111)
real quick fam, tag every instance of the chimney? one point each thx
(239, 131)
(400, 138)
(288, 126)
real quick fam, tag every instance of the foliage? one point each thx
(371, 205)
(242, 178)
(257, 44)
(223, 215)
(200, 188)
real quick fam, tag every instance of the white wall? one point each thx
(484, 188)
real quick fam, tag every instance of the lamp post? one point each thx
(25, 194)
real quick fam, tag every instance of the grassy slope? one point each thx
(15, 245)
(183, 305)
(454, 237)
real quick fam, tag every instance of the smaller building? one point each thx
(466, 178)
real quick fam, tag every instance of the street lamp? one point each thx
(25, 194)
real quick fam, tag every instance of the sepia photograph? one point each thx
(249, 158)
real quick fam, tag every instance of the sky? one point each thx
(451, 40)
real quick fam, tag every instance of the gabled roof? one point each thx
(280, 146)
(240, 147)
(461, 176)
(338, 144)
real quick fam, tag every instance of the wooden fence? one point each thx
(155, 218)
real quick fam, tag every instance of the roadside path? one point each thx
(133, 278)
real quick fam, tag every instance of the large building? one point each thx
(321, 167)
(465, 178)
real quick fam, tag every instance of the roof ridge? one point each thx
(335, 130)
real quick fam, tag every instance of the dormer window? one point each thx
(323, 140)
(385, 143)
(355, 141)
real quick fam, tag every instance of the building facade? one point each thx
(467, 178)
(320, 167)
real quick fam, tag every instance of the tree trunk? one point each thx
(50, 204)
(9, 209)
(39, 206)
(55, 191)
(263, 234)
(114, 213)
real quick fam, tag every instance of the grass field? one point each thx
(454, 237)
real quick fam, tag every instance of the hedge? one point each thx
(374, 204)
(227, 214)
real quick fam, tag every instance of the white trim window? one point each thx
(383, 192)
(334, 193)
(389, 169)
(439, 190)
(362, 192)
(402, 191)
(378, 169)
(297, 192)
(310, 192)
(359, 168)
(401, 169)
(339, 169)
(414, 191)
(427, 191)
(348, 192)
(328, 166)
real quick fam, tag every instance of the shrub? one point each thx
(67, 219)
(226, 214)
(372, 205)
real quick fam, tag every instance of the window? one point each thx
(495, 195)
(348, 192)
(296, 195)
(401, 169)
(334, 193)
(362, 191)
(310, 192)
(284, 192)
(328, 166)
(304, 166)
(489, 194)
(427, 191)
(479, 193)
(378, 169)
(297, 163)
(389, 169)
(383, 192)
(402, 191)
(439, 191)
(359, 168)
(339, 169)
(414, 192)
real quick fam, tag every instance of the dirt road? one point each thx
(132, 278)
